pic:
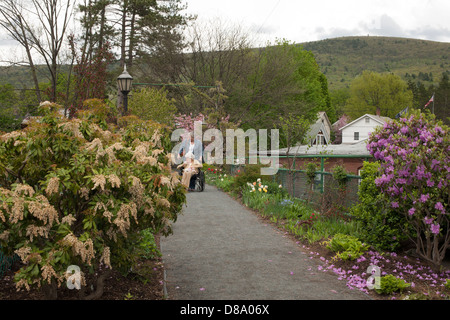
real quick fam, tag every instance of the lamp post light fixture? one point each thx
(124, 82)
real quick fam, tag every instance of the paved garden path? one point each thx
(222, 251)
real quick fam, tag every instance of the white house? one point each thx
(358, 130)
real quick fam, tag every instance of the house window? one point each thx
(320, 139)
(356, 135)
(367, 120)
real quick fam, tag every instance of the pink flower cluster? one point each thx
(187, 121)
(414, 167)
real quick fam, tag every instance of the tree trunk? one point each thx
(12, 20)
(32, 67)
(132, 40)
(100, 287)
(123, 35)
(54, 78)
(50, 291)
(102, 27)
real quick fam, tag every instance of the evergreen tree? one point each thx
(442, 99)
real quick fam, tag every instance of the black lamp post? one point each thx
(124, 82)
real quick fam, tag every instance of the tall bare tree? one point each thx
(12, 12)
(216, 52)
(40, 26)
(50, 34)
(260, 83)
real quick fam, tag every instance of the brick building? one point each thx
(351, 153)
(350, 156)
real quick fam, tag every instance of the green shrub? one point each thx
(311, 169)
(447, 284)
(73, 193)
(275, 188)
(249, 174)
(225, 183)
(340, 175)
(346, 246)
(8, 122)
(381, 225)
(390, 284)
(285, 208)
(146, 245)
(153, 104)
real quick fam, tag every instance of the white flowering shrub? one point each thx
(74, 193)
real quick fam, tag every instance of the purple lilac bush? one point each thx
(413, 153)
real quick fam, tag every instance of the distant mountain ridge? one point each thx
(342, 59)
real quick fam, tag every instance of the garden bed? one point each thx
(426, 283)
(146, 283)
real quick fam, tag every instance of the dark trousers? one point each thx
(192, 182)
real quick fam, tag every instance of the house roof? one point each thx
(380, 119)
(318, 126)
(356, 149)
(315, 129)
(323, 114)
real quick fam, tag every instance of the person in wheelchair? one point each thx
(189, 167)
(190, 145)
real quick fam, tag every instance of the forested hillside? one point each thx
(342, 59)
(253, 85)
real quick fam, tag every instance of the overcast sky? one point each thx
(310, 20)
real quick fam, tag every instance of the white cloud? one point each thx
(7, 42)
(264, 29)
(302, 21)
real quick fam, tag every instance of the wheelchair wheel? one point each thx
(200, 182)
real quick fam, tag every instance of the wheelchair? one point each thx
(197, 182)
